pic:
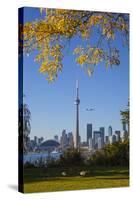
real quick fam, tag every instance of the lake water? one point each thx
(34, 157)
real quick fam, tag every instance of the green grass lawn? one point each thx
(36, 181)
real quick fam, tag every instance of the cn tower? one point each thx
(77, 102)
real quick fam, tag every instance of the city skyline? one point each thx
(51, 105)
(88, 134)
(95, 140)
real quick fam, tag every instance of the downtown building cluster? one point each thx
(37, 144)
(33, 144)
(66, 140)
(97, 139)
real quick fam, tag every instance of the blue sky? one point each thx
(52, 105)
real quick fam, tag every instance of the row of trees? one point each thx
(24, 127)
(125, 116)
(116, 154)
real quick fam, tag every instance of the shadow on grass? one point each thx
(39, 174)
(111, 173)
(112, 178)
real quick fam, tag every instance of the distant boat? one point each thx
(55, 151)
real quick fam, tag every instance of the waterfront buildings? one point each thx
(124, 133)
(112, 139)
(70, 140)
(36, 140)
(97, 139)
(118, 137)
(66, 140)
(49, 146)
(102, 130)
(106, 139)
(96, 135)
(100, 143)
(40, 140)
(56, 138)
(90, 143)
(89, 132)
(110, 131)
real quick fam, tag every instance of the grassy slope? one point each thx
(102, 178)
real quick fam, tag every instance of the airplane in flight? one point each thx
(90, 109)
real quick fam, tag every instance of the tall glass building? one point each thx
(89, 132)
(110, 131)
(102, 130)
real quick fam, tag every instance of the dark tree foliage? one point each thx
(116, 154)
(125, 115)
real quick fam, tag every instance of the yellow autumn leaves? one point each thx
(52, 63)
(89, 57)
(50, 35)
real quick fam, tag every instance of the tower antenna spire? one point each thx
(77, 88)
(77, 102)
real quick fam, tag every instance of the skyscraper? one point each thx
(96, 134)
(56, 138)
(90, 143)
(118, 133)
(106, 139)
(124, 133)
(89, 132)
(124, 126)
(64, 140)
(36, 140)
(77, 102)
(40, 140)
(110, 131)
(70, 140)
(100, 144)
(102, 130)
(112, 139)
